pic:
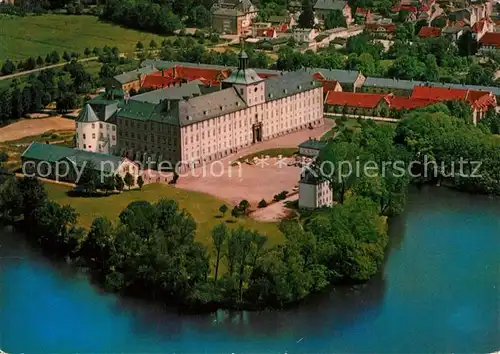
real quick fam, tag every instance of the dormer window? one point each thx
(205, 113)
(189, 118)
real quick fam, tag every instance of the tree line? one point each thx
(151, 249)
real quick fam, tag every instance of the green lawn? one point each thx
(203, 207)
(22, 37)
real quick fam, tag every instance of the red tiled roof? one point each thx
(477, 99)
(205, 75)
(329, 85)
(409, 8)
(491, 39)
(155, 81)
(354, 99)
(400, 102)
(429, 32)
(318, 76)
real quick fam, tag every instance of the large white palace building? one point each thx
(192, 124)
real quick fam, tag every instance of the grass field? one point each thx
(16, 147)
(203, 207)
(22, 37)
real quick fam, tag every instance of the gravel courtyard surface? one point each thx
(252, 182)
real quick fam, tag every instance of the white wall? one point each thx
(88, 134)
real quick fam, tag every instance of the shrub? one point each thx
(262, 204)
(54, 136)
(280, 196)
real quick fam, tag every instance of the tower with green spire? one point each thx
(247, 82)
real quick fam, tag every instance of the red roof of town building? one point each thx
(477, 99)
(429, 32)
(389, 28)
(265, 75)
(479, 25)
(409, 8)
(401, 102)
(157, 82)
(354, 99)
(330, 85)
(491, 39)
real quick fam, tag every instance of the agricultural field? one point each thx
(15, 148)
(203, 207)
(33, 36)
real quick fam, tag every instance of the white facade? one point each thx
(96, 136)
(315, 195)
(214, 138)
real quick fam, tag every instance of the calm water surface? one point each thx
(438, 292)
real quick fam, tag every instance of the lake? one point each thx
(439, 291)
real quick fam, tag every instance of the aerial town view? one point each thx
(249, 176)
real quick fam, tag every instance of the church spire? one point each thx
(243, 57)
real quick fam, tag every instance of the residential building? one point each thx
(233, 16)
(429, 32)
(350, 80)
(323, 7)
(454, 31)
(480, 101)
(395, 86)
(364, 104)
(228, 21)
(304, 35)
(62, 163)
(131, 79)
(314, 191)
(382, 29)
(482, 27)
(311, 147)
(363, 15)
(198, 128)
(489, 41)
(96, 123)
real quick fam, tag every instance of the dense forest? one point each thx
(151, 250)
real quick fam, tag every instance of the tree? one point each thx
(8, 67)
(223, 208)
(66, 56)
(139, 46)
(11, 200)
(89, 179)
(66, 102)
(39, 61)
(109, 184)
(129, 180)
(335, 19)
(219, 237)
(407, 67)
(34, 197)
(236, 212)
(244, 205)
(306, 18)
(119, 183)
(492, 121)
(152, 44)
(200, 16)
(140, 182)
(97, 247)
(48, 59)
(87, 52)
(57, 230)
(54, 57)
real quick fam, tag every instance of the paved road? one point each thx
(22, 73)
